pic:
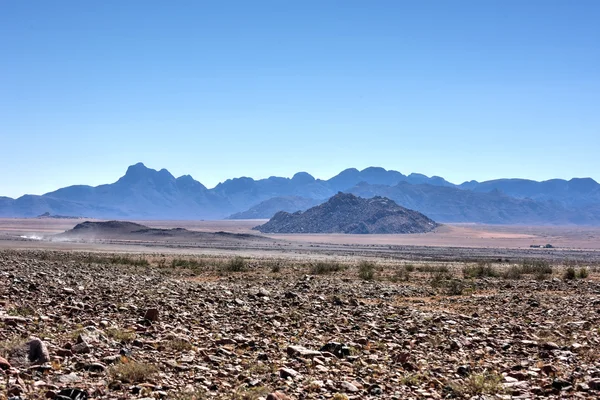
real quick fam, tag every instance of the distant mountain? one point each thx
(268, 208)
(575, 192)
(449, 204)
(144, 193)
(346, 213)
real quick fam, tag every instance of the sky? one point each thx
(222, 89)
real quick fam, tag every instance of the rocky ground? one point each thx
(107, 326)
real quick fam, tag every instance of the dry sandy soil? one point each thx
(455, 235)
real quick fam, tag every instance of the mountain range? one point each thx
(145, 193)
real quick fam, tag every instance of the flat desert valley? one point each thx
(218, 310)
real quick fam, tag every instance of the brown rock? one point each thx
(288, 373)
(38, 353)
(278, 396)
(64, 353)
(4, 364)
(594, 384)
(81, 348)
(151, 314)
(299, 351)
(15, 390)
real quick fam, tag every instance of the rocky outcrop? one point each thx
(346, 213)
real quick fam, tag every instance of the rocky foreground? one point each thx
(76, 326)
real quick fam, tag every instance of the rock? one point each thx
(550, 346)
(81, 348)
(64, 353)
(549, 369)
(582, 387)
(262, 292)
(339, 350)
(288, 373)
(561, 384)
(38, 353)
(4, 364)
(594, 384)
(299, 351)
(375, 390)
(73, 394)
(463, 370)
(277, 396)
(15, 390)
(349, 387)
(13, 320)
(151, 315)
(68, 379)
(95, 367)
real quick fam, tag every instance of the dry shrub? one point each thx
(133, 372)
(366, 271)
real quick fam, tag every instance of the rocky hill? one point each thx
(346, 213)
(131, 231)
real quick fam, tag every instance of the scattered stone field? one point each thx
(79, 325)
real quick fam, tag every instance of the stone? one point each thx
(262, 292)
(594, 384)
(277, 396)
(4, 364)
(15, 390)
(299, 351)
(349, 387)
(38, 353)
(64, 353)
(339, 350)
(74, 394)
(151, 315)
(95, 367)
(81, 348)
(464, 370)
(288, 373)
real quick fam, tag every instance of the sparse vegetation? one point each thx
(450, 285)
(339, 396)
(540, 269)
(583, 273)
(236, 264)
(571, 273)
(324, 268)
(120, 335)
(479, 384)
(536, 267)
(402, 274)
(117, 259)
(179, 344)
(366, 271)
(8, 345)
(21, 311)
(441, 269)
(133, 372)
(188, 263)
(480, 270)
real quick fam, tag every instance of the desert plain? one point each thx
(466, 311)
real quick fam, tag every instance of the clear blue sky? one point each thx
(462, 89)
